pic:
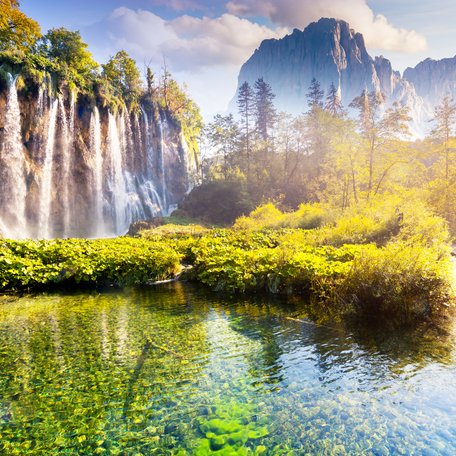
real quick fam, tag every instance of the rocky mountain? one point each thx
(330, 51)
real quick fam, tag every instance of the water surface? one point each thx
(178, 370)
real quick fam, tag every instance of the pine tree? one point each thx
(246, 104)
(265, 112)
(333, 101)
(445, 119)
(315, 95)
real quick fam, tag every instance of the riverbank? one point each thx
(368, 264)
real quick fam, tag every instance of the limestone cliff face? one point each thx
(433, 79)
(330, 51)
(86, 171)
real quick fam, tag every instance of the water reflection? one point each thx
(175, 368)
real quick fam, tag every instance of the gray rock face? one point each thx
(330, 51)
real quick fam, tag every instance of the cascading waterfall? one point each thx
(80, 170)
(46, 175)
(117, 182)
(95, 147)
(163, 128)
(67, 132)
(12, 161)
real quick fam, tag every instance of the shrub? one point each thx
(217, 202)
(401, 281)
(122, 261)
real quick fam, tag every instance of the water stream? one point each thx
(177, 370)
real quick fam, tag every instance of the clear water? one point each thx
(177, 370)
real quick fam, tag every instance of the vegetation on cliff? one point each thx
(62, 59)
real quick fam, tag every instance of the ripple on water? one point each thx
(175, 368)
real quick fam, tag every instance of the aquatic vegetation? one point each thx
(179, 370)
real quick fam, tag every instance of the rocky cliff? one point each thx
(71, 168)
(330, 51)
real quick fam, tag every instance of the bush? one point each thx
(401, 281)
(122, 261)
(217, 202)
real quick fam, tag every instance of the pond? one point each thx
(175, 369)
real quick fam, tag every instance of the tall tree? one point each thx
(18, 33)
(380, 132)
(265, 111)
(123, 74)
(333, 101)
(223, 137)
(445, 119)
(246, 105)
(69, 55)
(315, 95)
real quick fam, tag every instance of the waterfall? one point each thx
(148, 143)
(67, 130)
(163, 128)
(74, 175)
(12, 161)
(41, 101)
(95, 147)
(117, 178)
(46, 175)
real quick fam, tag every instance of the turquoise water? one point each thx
(177, 370)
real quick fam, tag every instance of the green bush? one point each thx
(403, 281)
(122, 261)
(217, 202)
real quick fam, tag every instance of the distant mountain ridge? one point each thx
(330, 51)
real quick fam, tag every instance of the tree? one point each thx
(223, 136)
(124, 76)
(445, 118)
(443, 186)
(315, 95)
(18, 32)
(333, 101)
(381, 134)
(68, 55)
(246, 105)
(150, 81)
(265, 112)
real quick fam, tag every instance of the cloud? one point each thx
(224, 40)
(188, 43)
(377, 31)
(180, 5)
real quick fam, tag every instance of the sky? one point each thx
(205, 42)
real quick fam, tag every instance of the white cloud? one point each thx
(377, 31)
(188, 43)
(226, 40)
(205, 53)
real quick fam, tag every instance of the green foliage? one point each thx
(403, 281)
(18, 33)
(123, 261)
(68, 57)
(231, 430)
(217, 202)
(123, 76)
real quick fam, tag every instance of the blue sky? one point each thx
(205, 42)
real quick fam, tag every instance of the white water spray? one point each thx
(12, 160)
(46, 175)
(95, 147)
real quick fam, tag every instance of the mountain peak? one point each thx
(328, 50)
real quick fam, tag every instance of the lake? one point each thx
(175, 369)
